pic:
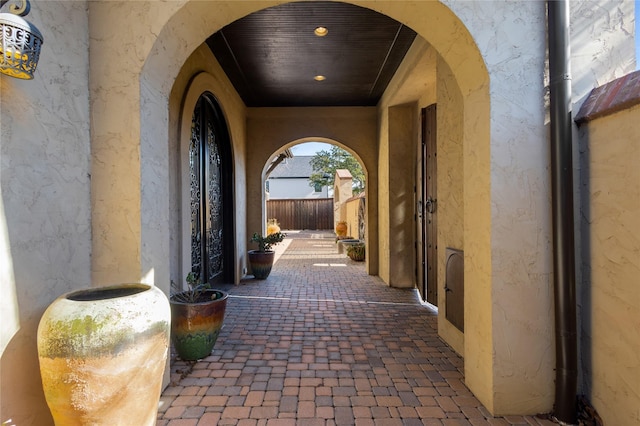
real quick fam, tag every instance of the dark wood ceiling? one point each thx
(273, 55)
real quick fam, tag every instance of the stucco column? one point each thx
(115, 148)
(129, 166)
(401, 168)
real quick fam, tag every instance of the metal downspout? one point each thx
(562, 210)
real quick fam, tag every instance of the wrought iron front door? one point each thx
(206, 163)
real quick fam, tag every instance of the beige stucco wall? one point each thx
(45, 228)
(450, 199)
(383, 189)
(342, 191)
(610, 290)
(352, 208)
(397, 202)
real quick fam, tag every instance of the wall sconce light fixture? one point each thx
(20, 41)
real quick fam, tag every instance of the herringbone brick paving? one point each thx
(320, 342)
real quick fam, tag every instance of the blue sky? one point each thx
(310, 148)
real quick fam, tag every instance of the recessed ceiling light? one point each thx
(321, 31)
(319, 78)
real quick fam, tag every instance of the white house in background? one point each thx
(290, 180)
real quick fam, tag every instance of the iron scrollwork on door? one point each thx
(195, 194)
(214, 187)
(205, 169)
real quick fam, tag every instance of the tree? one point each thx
(325, 164)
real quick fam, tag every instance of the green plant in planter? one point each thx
(261, 260)
(197, 316)
(356, 252)
(197, 291)
(265, 243)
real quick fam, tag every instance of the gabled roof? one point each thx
(295, 167)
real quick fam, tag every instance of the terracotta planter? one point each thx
(341, 229)
(103, 353)
(195, 327)
(261, 263)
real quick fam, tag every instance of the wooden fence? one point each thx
(316, 214)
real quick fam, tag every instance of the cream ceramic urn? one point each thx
(102, 355)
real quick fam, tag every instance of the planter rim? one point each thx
(258, 251)
(108, 292)
(225, 295)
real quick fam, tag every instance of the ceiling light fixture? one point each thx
(321, 31)
(319, 78)
(20, 41)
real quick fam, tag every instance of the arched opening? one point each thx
(266, 127)
(208, 174)
(448, 31)
(469, 79)
(300, 184)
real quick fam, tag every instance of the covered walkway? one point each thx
(320, 342)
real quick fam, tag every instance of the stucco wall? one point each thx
(450, 198)
(352, 208)
(398, 203)
(342, 191)
(610, 290)
(45, 230)
(384, 242)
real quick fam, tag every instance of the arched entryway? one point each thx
(204, 190)
(210, 174)
(318, 206)
(352, 129)
(377, 134)
(466, 56)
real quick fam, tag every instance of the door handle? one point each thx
(431, 205)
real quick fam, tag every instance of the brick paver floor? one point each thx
(320, 342)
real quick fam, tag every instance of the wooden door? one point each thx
(428, 208)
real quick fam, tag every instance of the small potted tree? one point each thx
(261, 260)
(197, 314)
